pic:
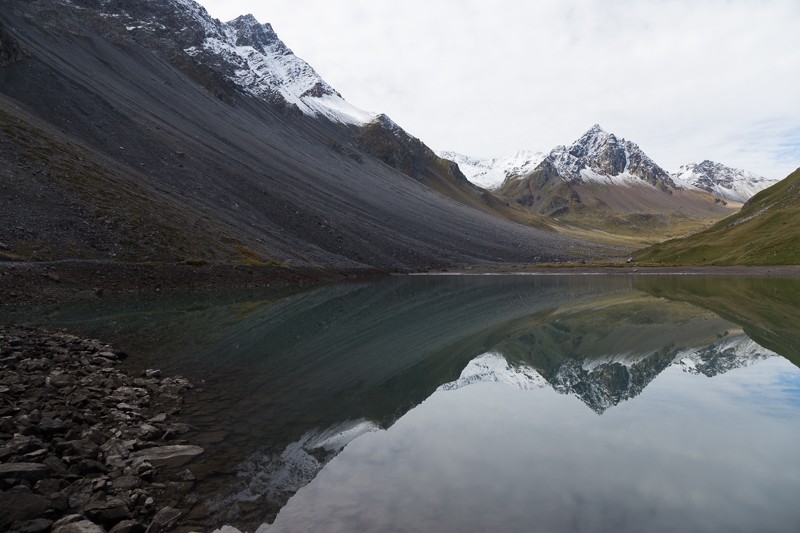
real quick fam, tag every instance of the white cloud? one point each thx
(686, 80)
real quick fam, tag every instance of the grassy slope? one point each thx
(765, 232)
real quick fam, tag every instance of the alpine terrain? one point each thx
(602, 182)
(148, 131)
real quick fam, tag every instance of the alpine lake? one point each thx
(552, 403)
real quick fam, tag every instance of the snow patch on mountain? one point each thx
(722, 181)
(493, 367)
(490, 173)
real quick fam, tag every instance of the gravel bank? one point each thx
(85, 447)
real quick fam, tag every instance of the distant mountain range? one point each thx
(598, 155)
(608, 185)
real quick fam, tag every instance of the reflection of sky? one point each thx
(691, 453)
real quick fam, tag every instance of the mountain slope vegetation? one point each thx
(765, 232)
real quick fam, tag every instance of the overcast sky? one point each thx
(687, 80)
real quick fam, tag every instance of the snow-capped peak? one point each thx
(490, 173)
(601, 156)
(243, 50)
(722, 181)
(264, 65)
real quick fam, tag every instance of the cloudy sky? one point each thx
(685, 79)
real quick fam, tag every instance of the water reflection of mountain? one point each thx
(290, 379)
(605, 382)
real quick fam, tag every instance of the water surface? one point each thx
(502, 403)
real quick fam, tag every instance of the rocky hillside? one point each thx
(723, 182)
(148, 131)
(765, 232)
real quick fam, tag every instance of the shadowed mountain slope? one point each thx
(125, 134)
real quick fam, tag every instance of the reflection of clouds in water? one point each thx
(682, 456)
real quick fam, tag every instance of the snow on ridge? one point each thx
(264, 66)
(493, 367)
(722, 181)
(490, 173)
(735, 351)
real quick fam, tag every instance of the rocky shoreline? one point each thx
(84, 446)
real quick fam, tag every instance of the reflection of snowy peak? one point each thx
(721, 181)
(493, 367)
(491, 173)
(602, 156)
(605, 382)
(737, 351)
(274, 476)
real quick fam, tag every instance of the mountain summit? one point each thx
(601, 156)
(604, 182)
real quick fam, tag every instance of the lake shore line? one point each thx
(59, 281)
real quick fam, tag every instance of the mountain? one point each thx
(147, 131)
(765, 232)
(603, 182)
(491, 173)
(723, 182)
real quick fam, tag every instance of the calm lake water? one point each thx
(481, 403)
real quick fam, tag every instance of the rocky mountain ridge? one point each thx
(722, 181)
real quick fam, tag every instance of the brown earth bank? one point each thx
(57, 281)
(86, 447)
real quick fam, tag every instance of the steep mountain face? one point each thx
(765, 232)
(604, 182)
(146, 130)
(491, 173)
(600, 156)
(723, 182)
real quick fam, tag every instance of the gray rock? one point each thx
(20, 506)
(163, 520)
(39, 525)
(107, 513)
(128, 526)
(176, 455)
(24, 470)
(83, 526)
